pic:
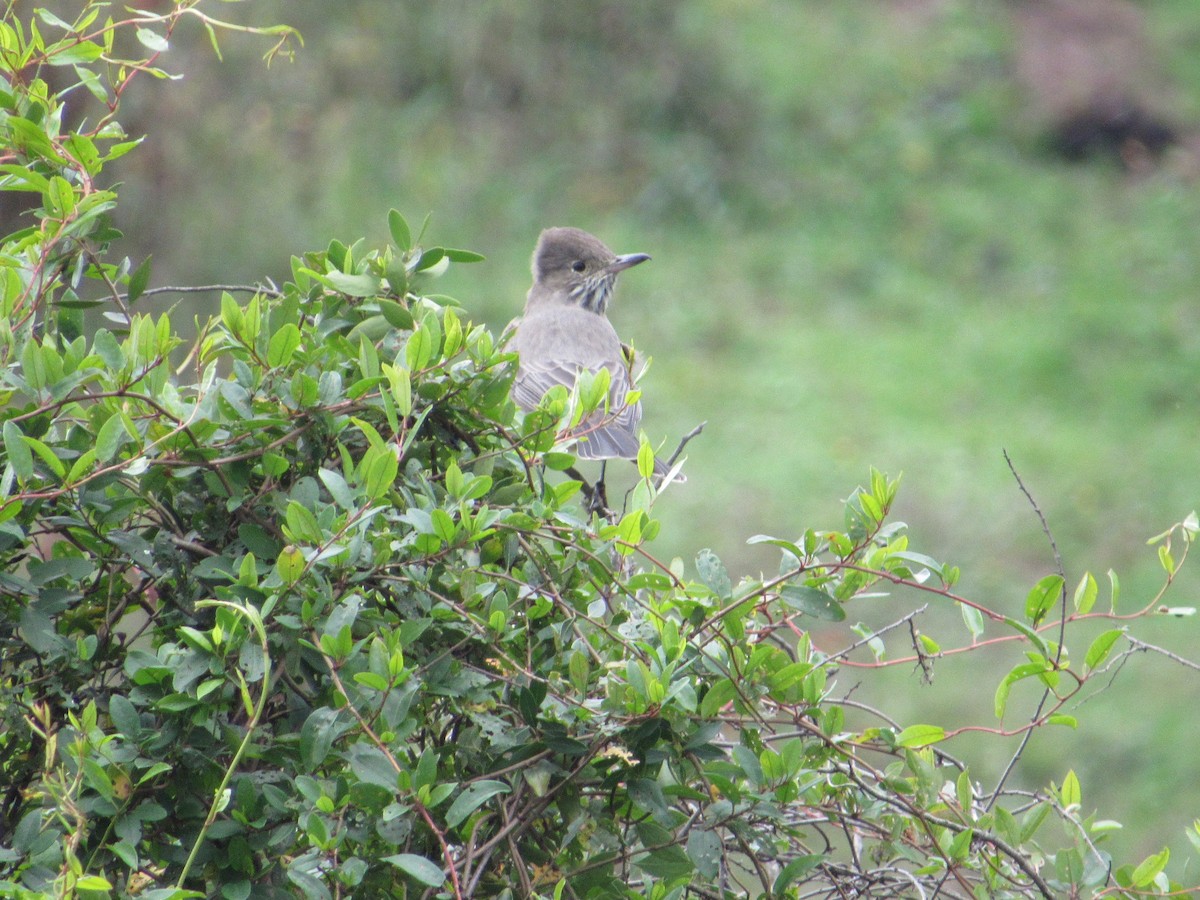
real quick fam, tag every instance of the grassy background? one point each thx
(862, 256)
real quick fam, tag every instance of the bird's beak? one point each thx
(621, 263)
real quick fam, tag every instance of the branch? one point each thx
(266, 290)
(1135, 644)
(683, 442)
(1037, 713)
(1045, 526)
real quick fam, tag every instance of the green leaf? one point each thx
(1071, 792)
(1166, 559)
(395, 314)
(790, 547)
(795, 870)
(1191, 526)
(302, 524)
(418, 350)
(33, 366)
(973, 619)
(112, 435)
(372, 680)
(748, 760)
(713, 573)
(380, 467)
(63, 54)
(51, 19)
(401, 233)
(1100, 648)
(18, 451)
(477, 487)
(152, 40)
(463, 256)
(371, 765)
(453, 479)
(704, 850)
(418, 868)
(48, 456)
(629, 531)
(964, 792)
(1085, 594)
(1034, 638)
(452, 325)
(472, 798)
(593, 388)
(430, 258)
(60, 198)
(290, 564)
(1042, 597)
(351, 285)
(578, 669)
(919, 560)
(1018, 673)
(443, 525)
(93, 883)
(426, 772)
(317, 735)
(645, 459)
(29, 180)
(721, 693)
(920, 736)
(812, 602)
(284, 343)
(648, 795)
(439, 793)
(108, 348)
(401, 387)
(1150, 868)
(232, 316)
(960, 847)
(1034, 820)
(667, 863)
(81, 466)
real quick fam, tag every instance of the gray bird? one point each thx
(565, 331)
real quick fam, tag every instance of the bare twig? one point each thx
(1041, 518)
(266, 290)
(1028, 735)
(683, 442)
(877, 633)
(1135, 644)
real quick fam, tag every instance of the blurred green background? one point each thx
(865, 254)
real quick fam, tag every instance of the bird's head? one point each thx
(572, 266)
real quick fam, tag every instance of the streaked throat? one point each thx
(594, 293)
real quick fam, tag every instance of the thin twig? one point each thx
(879, 632)
(1041, 518)
(1135, 644)
(268, 291)
(683, 442)
(1028, 735)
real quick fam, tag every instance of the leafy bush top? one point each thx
(299, 605)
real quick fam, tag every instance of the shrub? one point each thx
(298, 606)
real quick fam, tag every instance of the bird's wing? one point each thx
(536, 377)
(603, 434)
(614, 433)
(564, 342)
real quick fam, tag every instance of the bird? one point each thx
(565, 331)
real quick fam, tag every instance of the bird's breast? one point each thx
(567, 334)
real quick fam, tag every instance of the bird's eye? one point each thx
(579, 265)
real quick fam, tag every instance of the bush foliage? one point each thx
(300, 606)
